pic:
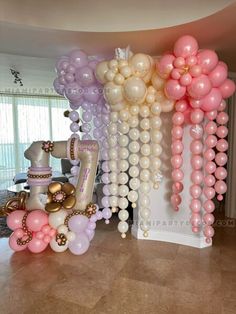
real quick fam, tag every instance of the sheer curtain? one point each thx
(24, 119)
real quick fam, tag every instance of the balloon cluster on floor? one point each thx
(198, 82)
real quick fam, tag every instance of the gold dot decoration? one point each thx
(88, 212)
(61, 239)
(26, 231)
(72, 146)
(47, 146)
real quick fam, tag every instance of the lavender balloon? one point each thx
(80, 245)
(78, 58)
(90, 234)
(78, 223)
(85, 76)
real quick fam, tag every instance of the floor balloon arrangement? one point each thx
(117, 105)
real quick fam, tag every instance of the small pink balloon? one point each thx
(211, 141)
(195, 103)
(221, 159)
(195, 191)
(177, 132)
(220, 197)
(181, 105)
(186, 46)
(222, 131)
(192, 60)
(222, 118)
(209, 192)
(220, 187)
(208, 231)
(52, 233)
(222, 145)
(19, 233)
(177, 187)
(196, 132)
(36, 220)
(187, 114)
(221, 173)
(177, 175)
(178, 118)
(209, 206)
(177, 161)
(197, 177)
(46, 239)
(174, 90)
(195, 229)
(222, 105)
(212, 100)
(175, 200)
(177, 147)
(210, 167)
(211, 115)
(196, 147)
(195, 220)
(197, 116)
(199, 87)
(165, 65)
(209, 180)
(195, 205)
(227, 89)
(14, 220)
(197, 162)
(209, 154)
(211, 127)
(39, 235)
(218, 75)
(208, 60)
(186, 79)
(208, 219)
(46, 229)
(13, 243)
(179, 62)
(195, 71)
(37, 245)
(175, 74)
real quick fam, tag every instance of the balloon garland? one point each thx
(198, 82)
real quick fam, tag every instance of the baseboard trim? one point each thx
(172, 237)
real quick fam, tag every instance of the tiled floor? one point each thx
(122, 276)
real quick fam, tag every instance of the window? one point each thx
(24, 119)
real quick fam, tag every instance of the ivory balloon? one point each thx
(135, 90)
(113, 93)
(101, 70)
(140, 64)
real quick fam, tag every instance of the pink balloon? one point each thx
(196, 147)
(199, 87)
(179, 62)
(211, 127)
(211, 115)
(218, 75)
(221, 159)
(186, 79)
(197, 177)
(210, 167)
(220, 187)
(192, 60)
(208, 231)
(178, 118)
(19, 233)
(221, 173)
(212, 100)
(209, 192)
(222, 118)
(209, 154)
(196, 162)
(227, 88)
(174, 90)
(195, 205)
(208, 219)
(209, 206)
(177, 147)
(197, 116)
(222, 145)
(177, 132)
(209, 180)
(181, 105)
(208, 60)
(220, 197)
(195, 191)
(195, 71)
(46, 239)
(176, 161)
(185, 46)
(36, 220)
(195, 103)
(222, 131)
(14, 220)
(196, 132)
(176, 74)
(175, 200)
(187, 114)
(211, 141)
(195, 220)
(165, 65)
(177, 187)
(13, 243)
(37, 245)
(222, 105)
(195, 229)
(177, 175)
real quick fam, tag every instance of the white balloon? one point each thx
(155, 163)
(144, 200)
(126, 71)
(62, 229)
(134, 110)
(134, 134)
(146, 149)
(124, 115)
(156, 108)
(109, 76)
(156, 136)
(134, 183)
(133, 171)
(123, 190)
(145, 137)
(113, 200)
(112, 140)
(144, 111)
(150, 98)
(113, 153)
(113, 165)
(145, 175)
(123, 178)
(57, 219)
(123, 153)
(114, 116)
(123, 203)
(144, 162)
(134, 146)
(144, 213)
(113, 177)
(119, 79)
(132, 196)
(123, 140)
(133, 121)
(123, 165)
(57, 248)
(123, 214)
(156, 122)
(70, 236)
(144, 225)
(145, 124)
(145, 187)
(133, 159)
(156, 149)
(123, 226)
(112, 128)
(113, 188)
(123, 127)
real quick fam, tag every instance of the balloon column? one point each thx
(136, 98)
(197, 81)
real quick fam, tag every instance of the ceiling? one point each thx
(47, 30)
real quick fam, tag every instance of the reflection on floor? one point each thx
(122, 276)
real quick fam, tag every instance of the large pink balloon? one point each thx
(174, 90)
(212, 100)
(36, 220)
(227, 88)
(13, 243)
(199, 87)
(218, 75)
(37, 245)
(165, 65)
(185, 46)
(208, 60)
(14, 220)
